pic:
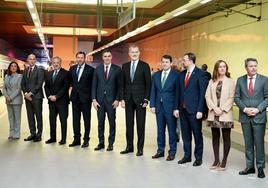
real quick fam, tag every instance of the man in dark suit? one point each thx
(136, 86)
(81, 76)
(191, 94)
(31, 85)
(163, 104)
(57, 88)
(106, 96)
(251, 96)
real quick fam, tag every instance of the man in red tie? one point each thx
(106, 96)
(251, 97)
(191, 104)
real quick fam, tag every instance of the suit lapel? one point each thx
(83, 73)
(256, 84)
(192, 75)
(245, 84)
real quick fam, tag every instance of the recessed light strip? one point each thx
(34, 14)
(192, 4)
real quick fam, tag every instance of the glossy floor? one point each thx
(26, 164)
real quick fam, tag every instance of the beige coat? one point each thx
(226, 100)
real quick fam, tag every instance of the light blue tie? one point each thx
(164, 79)
(78, 71)
(132, 72)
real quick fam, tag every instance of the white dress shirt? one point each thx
(81, 71)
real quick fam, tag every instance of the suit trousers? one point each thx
(34, 111)
(54, 111)
(104, 108)
(14, 117)
(254, 136)
(189, 125)
(85, 109)
(164, 120)
(131, 109)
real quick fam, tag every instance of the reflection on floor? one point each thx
(25, 164)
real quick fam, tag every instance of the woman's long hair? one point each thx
(9, 67)
(215, 70)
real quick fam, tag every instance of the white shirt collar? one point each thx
(167, 71)
(191, 68)
(253, 77)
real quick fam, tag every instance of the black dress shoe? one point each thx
(158, 155)
(127, 150)
(261, 173)
(62, 142)
(85, 144)
(139, 153)
(170, 158)
(110, 148)
(49, 141)
(30, 138)
(37, 139)
(75, 143)
(197, 163)
(247, 171)
(99, 147)
(184, 160)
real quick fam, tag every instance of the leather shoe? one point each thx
(49, 141)
(29, 138)
(261, 173)
(127, 150)
(170, 158)
(37, 139)
(184, 160)
(197, 163)
(99, 147)
(85, 144)
(75, 143)
(139, 153)
(110, 148)
(62, 142)
(247, 171)
(158, 155)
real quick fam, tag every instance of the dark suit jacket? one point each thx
(140, 88)
(193, 96)
(167, 94)
(33, 84)
(109, 89)
(81, 90)
(60, 87)
(259, 99)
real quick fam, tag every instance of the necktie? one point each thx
(250, 87)
(54, 75)
(30, 72)
(132, 72)
(106, 72)
(186, 79)
(163, 79)
(78, 71)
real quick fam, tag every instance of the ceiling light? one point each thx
(159, 22)
(180, 13)
(29, 4)
(205, 1)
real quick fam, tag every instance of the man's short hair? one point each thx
(81, 52)
(56, 57)
(191, 56)
(106, 51)
(250, 59)
(167, 57)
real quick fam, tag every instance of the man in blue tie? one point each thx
(81, 76)
(162, 103)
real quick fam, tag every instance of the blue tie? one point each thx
(78, 70)
(132, 72)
